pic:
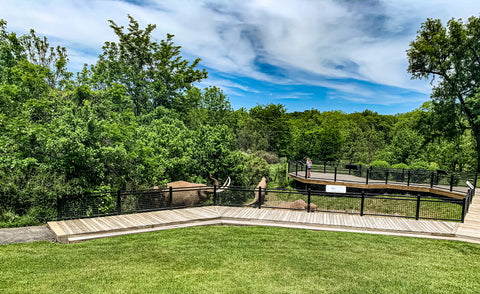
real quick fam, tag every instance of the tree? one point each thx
(449, 56)
(154, 74)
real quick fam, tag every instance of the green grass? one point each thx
(242, 260)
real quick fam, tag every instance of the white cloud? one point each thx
(326, 40)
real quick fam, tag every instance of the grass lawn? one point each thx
(242, 260)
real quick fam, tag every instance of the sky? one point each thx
(304, 54)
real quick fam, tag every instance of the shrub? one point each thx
(379, 164)
(270, 157)
(398, 173)
(400, 166)
(377, 169)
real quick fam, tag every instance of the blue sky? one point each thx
(305, 54)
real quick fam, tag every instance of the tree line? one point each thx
(136, 119)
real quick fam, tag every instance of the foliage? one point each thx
(153, 74)
(449, 55)
(399, 166)
(379, 164)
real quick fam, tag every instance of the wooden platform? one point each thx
(86, 229)
(470, 229)
(360, 183)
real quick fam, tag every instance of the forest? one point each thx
(137, 119)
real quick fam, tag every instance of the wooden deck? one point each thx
(78, 230)
(101, 227)
(359, 182)
(470, 229)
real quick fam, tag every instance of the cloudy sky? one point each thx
(323, 54)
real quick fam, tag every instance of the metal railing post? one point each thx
(475, 181)
(170, 196)
(451, 182)
(309, 192)
(59, 211)
(259, 197)
(296, 169)
(119, 202)
(432, 176)
(335, 177)
(464, 208)
(214, 194)
(362, 204)
(417, 212)
(368, 174)
(386, 176)
(408, 178)
(324, 167)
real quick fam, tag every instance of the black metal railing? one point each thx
(333, 171)
(430, 207)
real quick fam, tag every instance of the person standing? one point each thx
(309, 168)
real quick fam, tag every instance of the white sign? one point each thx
(470, 185)
(336, 189)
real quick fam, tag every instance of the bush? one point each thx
(379, 164)
(270, 157)
(278, 174)
(400, 166)
(421, 171)
(398, 172)
(377, 169)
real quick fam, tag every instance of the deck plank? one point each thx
(156, 220)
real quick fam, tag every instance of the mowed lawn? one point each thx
(242, 260)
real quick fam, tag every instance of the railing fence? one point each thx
(408, 206)
(451, 181)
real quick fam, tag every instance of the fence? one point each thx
(333, 171)
(408, 206)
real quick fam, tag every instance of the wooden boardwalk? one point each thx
(101, 227)
(360, 183)
(470, 229)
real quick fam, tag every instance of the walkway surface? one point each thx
(352, 181)
(26, 234)
(71, 231)
(101, 227)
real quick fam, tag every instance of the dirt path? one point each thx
(25, 234)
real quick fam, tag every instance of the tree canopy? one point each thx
(449, 56)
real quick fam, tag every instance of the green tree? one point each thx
(450, 56)
(154, 74)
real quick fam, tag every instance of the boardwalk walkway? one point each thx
(352, 181)
(70, 231)
(101, 227)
